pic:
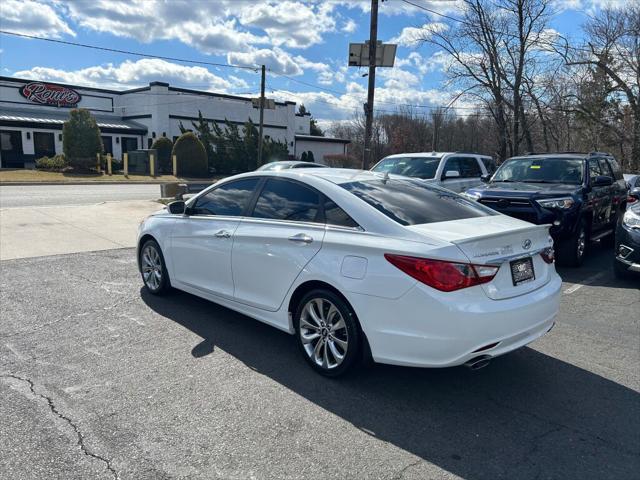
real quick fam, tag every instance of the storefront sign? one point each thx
(50, 94)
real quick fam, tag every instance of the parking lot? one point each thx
(98, 379)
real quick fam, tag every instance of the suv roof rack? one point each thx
(600, 153)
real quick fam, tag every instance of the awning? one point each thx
(32, 119)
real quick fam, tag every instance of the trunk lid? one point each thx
(497, 240)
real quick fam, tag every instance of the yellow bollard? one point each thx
(109, 170)
(175, 165)
(99, 168)
(152, 165)
(125, 161)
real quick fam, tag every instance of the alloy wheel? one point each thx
(151, 267)
(581, 243)
(323, 333)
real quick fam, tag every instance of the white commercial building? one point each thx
(32, 114)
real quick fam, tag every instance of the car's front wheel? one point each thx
(327, 332)
(573, 250)
(153, 269)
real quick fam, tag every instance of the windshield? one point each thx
(411, 202)
(541, 170)
(419, 167)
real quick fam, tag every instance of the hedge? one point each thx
(191, 156)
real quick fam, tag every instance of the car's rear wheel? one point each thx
(153, 269)
(327, 332)
(572, 251)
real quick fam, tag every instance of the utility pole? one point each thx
(262, 82)
(373, 42)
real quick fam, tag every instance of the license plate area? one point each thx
(522, 271)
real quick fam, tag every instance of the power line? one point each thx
(459, 20)
(127, 52)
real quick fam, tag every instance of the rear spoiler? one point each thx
(531, 228)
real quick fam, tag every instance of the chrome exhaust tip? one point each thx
(478, 362)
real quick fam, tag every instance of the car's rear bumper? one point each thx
(428, 328)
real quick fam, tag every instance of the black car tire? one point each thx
(351, 333)
(159, 286)
(571, 252)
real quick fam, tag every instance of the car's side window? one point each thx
(604, 166)
(452, 164)
(334, 215)
(489, 164)
(467, 166)
(615, 167)
(287, 200)
(594, 168)
(229, 199)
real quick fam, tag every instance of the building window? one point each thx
(107, 143)
(129, 144)
(44, 144)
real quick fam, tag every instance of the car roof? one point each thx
(578, 156)
(433, 154)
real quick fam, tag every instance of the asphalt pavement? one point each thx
(99, 379)
(53, 195)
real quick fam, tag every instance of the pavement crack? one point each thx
(399, 475)
(80, 440)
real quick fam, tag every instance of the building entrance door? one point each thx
(11, 155)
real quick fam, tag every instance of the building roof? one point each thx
(55, 120)
(315, 138)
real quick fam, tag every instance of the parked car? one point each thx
(580, 195)
(633, 182)
(286, 164)
(350, 262)
(627, 245)
(455, 171)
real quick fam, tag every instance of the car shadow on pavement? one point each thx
(597, 270)
(526, 415)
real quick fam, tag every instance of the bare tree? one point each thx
(613, 48)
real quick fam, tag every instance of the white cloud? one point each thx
(411, 36)
(276, 60)
(33, 18)
(288, 23)
(398, 78)
(139, 73)
(349, 26)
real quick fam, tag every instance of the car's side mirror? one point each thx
(602, 181)
(486, 177)
(451, 174)
(635, 193)
(178, 207)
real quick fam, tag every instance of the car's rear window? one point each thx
(412, 202)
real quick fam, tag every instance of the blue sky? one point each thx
(303, 43)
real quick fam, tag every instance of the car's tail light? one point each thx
(442, 275)
(548, 255)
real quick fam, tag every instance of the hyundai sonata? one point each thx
(357, 264)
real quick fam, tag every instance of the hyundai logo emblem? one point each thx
(526, 244)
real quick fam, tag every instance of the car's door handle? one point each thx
(222, 234)
(301, 237)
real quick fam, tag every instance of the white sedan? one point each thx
(357, 264)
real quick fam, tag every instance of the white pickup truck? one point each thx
(455, 171)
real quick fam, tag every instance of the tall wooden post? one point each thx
(98, 166)
(125, 164)
(109, 169)
(175, 165)
(152, 165)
